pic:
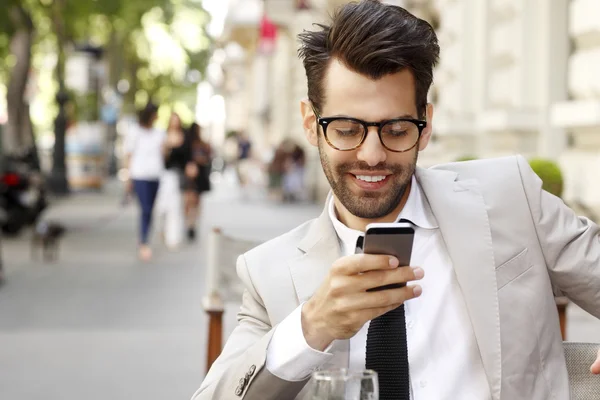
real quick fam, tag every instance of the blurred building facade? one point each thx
(515, 76)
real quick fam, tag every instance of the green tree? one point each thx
(15, 49)
(125, 29)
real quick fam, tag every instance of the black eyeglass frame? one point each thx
(324, 122)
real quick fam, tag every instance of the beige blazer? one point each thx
(513, 247)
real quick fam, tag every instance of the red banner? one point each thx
(268, 36)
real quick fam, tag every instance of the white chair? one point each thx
(580, 356)
(222, 284)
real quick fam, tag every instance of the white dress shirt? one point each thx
(443, 355)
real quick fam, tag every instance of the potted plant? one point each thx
(552, 182)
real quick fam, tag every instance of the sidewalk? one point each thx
(100, 325)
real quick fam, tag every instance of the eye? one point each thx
(346, 132)
(397, 132)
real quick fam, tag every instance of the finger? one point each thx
(383, 298)
(358, 263)
(373, 279)
(595, 368)
(372, 313)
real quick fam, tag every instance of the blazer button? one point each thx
(252, 369)
(238, 391)
(243, 382)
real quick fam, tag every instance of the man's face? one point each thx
(351, 174)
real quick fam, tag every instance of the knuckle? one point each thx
(336, 287)
(378, 278)
(399, 297)
(337, 267)
(383, 297)
(361, 260)
(350, 319)
(339, 307)
(405, 274)
(385, 278)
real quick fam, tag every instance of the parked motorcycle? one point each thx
(22, 195)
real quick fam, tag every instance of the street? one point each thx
(100, 325)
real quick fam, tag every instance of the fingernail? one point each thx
(393, 262)
(417, 291)
(419, 273)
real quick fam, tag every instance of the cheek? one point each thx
(333, 158)
(402, 159)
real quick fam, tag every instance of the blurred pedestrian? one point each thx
(144, 152)
(170, 201)
(276, 171)
(244, 158)
(197, 177)
(293, 180)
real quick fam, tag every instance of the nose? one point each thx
(372, 151)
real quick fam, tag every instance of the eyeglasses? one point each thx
(345, 133)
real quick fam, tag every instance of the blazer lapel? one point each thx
(461, 213)
(321, 248)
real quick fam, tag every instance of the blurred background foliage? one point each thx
(159, 48)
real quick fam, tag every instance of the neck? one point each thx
(360, 224)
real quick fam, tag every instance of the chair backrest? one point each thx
(223, 251)
(222, 284)
(579, 357)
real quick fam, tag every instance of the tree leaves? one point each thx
(179, 23)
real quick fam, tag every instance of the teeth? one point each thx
(369, 178)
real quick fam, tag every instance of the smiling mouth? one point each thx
(370, 178)
(371, 182)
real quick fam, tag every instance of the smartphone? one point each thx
(394, 239)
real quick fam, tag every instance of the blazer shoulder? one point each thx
(485, 166)
(494, 176)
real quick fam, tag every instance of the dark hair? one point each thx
(372, 39)
(146, 114)
(195, 131)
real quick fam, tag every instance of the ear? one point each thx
(426, 134)
(309, 122)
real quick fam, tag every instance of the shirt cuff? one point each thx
(289, 357)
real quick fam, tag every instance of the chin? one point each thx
(369, 207)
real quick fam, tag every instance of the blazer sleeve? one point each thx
(570, 244)
(240, 372)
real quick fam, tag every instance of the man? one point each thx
(491, 248)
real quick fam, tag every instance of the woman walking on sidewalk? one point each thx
(197, 177)
(144, 157)
(169, 203)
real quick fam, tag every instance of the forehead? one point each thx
(352, 94)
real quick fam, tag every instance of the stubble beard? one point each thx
(368, 204)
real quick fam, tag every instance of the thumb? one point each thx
(595, 368)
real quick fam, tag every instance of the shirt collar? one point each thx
(416, 210)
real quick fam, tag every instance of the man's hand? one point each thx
(596, 365)
(342, 305)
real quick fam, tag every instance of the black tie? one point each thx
(387, 352)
